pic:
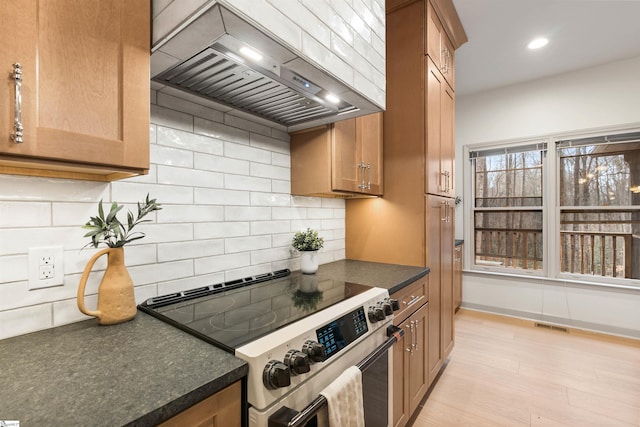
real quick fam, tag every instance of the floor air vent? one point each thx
(552, 327)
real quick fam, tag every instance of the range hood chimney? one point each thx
(220, 56)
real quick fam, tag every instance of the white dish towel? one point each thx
(344, 396)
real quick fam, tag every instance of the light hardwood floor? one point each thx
(507, 372)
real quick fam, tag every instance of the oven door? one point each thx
(376, 386)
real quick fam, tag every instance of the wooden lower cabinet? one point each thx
(223, 409)
(410, 370)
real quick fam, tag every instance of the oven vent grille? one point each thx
(552, 327)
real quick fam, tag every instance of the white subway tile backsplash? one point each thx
(128, 192)
(279, 24)
(309, 202)
(153, 273)
(208, 196)
(298, 13)
(190, 213)
(66, 311)
(289, 213)
(221, 263)
(268, 255)
(282, 240)
(245, 213)
(243, 152)
(246, 244)
(320, 53)
(330, 224)
(191, 249)
(213, 230)
(280, 134)
(248, 183)
(270, 171)
(25, 319)
(75, 214)
(347, 13)
(169, 156)
(189, 283)
(270, 199)
(184, 106)
(171, 118)
(284, 160)
(269, 227)
(221, 164)
(188, 141)
(272, 144)
(303, 224)
(166, 232)
(320, 213)
(242, 123)
(281, 186)
(220, 131)
(30, 189)
(25, 214)
(12, 269)
(189, 177)
(14, 241)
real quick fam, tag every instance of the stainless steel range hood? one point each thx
(213, 56)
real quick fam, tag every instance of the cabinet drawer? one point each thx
(411, 298)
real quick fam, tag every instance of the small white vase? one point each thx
(309, 262)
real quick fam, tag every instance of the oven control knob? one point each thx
(395, 305)
(386, 308)
(276, 375)
(297, 361)
(376, 313)
(315, 351)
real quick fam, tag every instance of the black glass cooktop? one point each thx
(232, 314)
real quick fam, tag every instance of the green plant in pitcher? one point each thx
(113, 233)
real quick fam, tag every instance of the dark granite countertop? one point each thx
(136, 373)
(391, 276)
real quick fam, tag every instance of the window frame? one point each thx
(551, 211)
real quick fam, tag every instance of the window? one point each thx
(599, 196)
(508, 207)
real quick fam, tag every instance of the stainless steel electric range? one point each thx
(289, 328)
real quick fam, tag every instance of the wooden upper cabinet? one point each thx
(440, 143)
(84, 89)
(439, 47)
(342, 159)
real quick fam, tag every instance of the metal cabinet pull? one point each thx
(362, 166)
(368, 176)
(16, 136)
(409, 347)
(416, 340)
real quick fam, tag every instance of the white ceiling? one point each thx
(581, 33)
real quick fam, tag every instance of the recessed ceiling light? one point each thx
(537, 43)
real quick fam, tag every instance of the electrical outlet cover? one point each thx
(46, 267)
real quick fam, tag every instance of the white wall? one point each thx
(599, 97)
(224, 183)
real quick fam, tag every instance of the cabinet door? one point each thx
(447, 331)
(434, 36)
(85, 92)
(418, 368)
(347, 172)
(369, 139)
(400, 390)
(440, 144)
(434, 219)
(223, 409)
(434, 176)
(447, 142)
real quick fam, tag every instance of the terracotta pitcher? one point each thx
(116, 300)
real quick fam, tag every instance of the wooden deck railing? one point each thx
(596, 253)
(509, 248)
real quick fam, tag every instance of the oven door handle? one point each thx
(287, 417)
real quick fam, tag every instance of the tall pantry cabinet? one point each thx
(412, 224)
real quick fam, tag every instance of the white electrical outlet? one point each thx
(45, 267)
